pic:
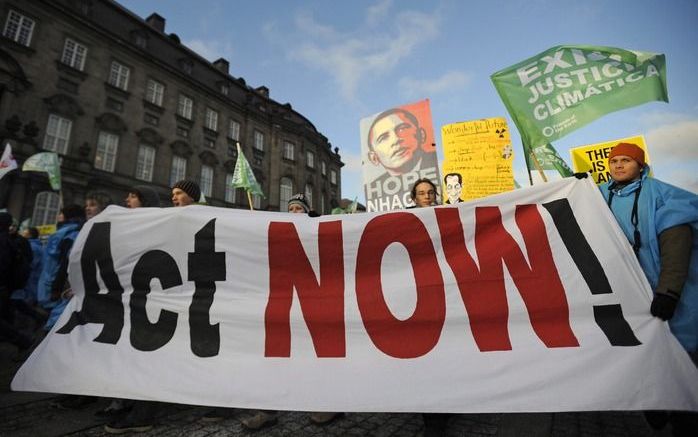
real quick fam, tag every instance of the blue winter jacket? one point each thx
(660, 207)
(52, 261)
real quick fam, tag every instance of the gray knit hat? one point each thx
(189, 187)
(299, 199)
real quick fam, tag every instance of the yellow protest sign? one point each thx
(477, 159)
(594, 157)
(45, 230)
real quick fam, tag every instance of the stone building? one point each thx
(124, 103)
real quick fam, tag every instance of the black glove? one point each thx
(581, 175)
(663, 306)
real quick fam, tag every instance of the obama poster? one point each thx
(397, 148)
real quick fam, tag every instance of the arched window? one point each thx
(309, 195)
(285, 192)
(45, 208)
(229, 189)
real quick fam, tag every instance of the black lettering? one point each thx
(154, 264)
(103, 308)
(608, 317)
(206, 266)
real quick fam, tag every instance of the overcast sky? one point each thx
(339, 61)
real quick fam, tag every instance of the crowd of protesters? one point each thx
(659, 220)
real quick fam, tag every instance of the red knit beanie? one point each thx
(629, 149)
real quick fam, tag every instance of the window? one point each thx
(154, 92)
(256, 201)
(178, 170)
(182, 132)
(225, 89)
(206, 180)
(310, 159)
(288, 151)
(210, 143)
(322, 203)
(184, 106)
(144, 163)
(323, 168)
(333, 177)
(285, 192)
(229, 190)
(187, 66)
(151, 119)
(258, 140)
(211, 120)
(19, 28)
(74, 54)
(141, 40)
(115, 105)
(232, 151)
(57, 134)
(234, 130)
(118, 75)
(107, 145)
(46, 208)
(309, 195)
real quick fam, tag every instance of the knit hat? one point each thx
(189, 187)
(147, 195)
(629, 149)
(299, 199)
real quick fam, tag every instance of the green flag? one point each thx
(243, 177)
(567, 87)
(46, 162)
(547, 159)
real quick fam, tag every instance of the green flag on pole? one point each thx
(547, 159)
(243, 176)
(566, 87)
(45, 162)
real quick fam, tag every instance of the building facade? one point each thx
(123, 103)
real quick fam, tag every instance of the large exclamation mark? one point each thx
(608, 317)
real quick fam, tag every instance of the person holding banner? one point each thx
(424, 195)
(661, 222)
(95, 202)
(142, 196)
(185, 193)
(297, 204)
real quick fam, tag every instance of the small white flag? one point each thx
(7, 162)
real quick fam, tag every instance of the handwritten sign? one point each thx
(477, 159)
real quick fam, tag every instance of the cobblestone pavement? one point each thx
(31, 414)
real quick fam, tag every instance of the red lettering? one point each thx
(482, 290)
(321, 302)
(418, 334)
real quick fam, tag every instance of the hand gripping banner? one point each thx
(530, 300)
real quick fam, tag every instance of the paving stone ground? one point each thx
(32, 415)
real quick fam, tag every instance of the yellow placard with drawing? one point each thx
(478, 159)
(594, 157)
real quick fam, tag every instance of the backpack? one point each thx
(21, 253)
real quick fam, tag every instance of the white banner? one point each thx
(526, 301)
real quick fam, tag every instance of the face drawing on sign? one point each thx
(454, 185)
(395, 141)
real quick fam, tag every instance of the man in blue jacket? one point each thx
(661, 223)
